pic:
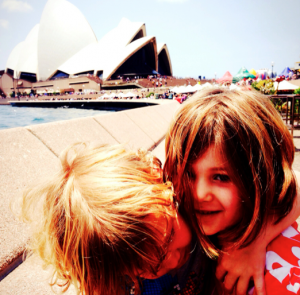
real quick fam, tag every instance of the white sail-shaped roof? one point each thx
(63, 32)
(160, 48)
(64, 41)
(28, 61)
(114, 62)
(84, 60)
(111, 51)
(96, 57)
(24, 56)
(13, 58)
(123, 34)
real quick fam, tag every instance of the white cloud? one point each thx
(173, 1)
(3, 23)
(15, 5)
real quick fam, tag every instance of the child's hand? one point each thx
(236, 268)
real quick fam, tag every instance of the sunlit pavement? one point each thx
(296, 137)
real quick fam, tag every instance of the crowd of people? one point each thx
(281, 78)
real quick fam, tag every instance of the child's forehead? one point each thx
(215, 155)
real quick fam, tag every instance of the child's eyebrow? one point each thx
(224, 168)
(219, 168)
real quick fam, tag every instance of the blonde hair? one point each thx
(88, 218)
(246, 128)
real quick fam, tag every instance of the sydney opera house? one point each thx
(63, 46)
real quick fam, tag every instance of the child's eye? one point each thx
(191, 175)
(222, 177)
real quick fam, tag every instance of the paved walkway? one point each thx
(296, 165)
(296, 137)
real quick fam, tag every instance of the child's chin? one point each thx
(209, 231)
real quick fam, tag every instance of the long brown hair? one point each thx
(88, 219)
(249, 132)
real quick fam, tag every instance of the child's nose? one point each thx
(203, 191)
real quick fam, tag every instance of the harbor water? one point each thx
(11, 117)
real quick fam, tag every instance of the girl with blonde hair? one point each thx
(229, 156)
(106, 220)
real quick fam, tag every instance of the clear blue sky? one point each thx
(203, 37)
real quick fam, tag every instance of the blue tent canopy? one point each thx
(286, 72)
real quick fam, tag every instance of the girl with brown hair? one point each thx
(229, 156)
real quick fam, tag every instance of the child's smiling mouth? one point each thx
(208, 212)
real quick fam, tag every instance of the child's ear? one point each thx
(157, 171)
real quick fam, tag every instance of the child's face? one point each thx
(217, 200)
(177, 235)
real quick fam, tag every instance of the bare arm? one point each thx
(238, 266)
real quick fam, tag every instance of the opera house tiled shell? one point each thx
(64, 45)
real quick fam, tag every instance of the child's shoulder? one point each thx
(283, 259)
(282, 263)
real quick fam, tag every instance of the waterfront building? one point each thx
(63, 46)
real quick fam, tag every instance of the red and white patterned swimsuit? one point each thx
(283, 263)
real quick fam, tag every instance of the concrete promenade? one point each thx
(296, 137)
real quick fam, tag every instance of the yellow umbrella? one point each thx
(252, 71)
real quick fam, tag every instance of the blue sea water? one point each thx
(11, 117)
